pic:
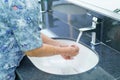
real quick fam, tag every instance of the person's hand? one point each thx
(69, 51)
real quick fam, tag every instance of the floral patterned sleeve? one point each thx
(24, 22)
(19, 32)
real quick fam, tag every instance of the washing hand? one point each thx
(69, 51)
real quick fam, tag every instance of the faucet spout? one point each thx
(86, 29)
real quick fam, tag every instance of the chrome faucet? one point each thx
(93, 27)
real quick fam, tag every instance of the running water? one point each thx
(79, 36)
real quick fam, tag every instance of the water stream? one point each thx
(79, 36)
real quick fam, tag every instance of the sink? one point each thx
(86, 60)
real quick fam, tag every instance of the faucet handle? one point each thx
(94, 22)
(95, 19)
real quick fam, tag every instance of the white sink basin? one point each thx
(84, 61)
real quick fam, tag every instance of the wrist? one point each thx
(62, 50)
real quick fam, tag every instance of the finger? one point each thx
(73, 45)
(67, 57)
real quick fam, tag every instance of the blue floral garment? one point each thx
(19, 32)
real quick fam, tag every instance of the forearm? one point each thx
(45, 50)
(48, 40)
